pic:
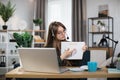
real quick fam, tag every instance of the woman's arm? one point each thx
(67, 53)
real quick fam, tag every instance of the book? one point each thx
(113, 70)
(37, 38)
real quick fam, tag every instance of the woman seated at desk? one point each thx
(57, 34)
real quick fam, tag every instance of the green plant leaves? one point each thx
(37, 21)
(23, 39)
(6, 11)
(101, 23)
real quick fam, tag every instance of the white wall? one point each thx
(114, 11)
(24, 10)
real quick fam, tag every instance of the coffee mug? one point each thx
(92, 66)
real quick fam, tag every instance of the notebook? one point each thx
(78, 53)
(40, 60)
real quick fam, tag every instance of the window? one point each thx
(60, 10)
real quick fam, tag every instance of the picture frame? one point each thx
(103, 10)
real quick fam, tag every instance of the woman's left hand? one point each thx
(84, 48)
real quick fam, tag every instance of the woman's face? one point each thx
(61, 33)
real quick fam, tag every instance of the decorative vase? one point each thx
(4, 27)
(118, 65)
(103, 29)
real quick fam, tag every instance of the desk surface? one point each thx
(20, 73)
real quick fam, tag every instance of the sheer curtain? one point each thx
(60, 10)
(79, 20)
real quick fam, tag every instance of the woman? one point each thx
(57, 34)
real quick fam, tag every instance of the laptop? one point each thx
(40, 60)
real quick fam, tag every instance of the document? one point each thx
(77, 53)
(113, 70)
(77, 69)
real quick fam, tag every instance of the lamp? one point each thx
(116, 42)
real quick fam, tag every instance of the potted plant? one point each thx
(37, 23)
(101, 25)
(118, 63)
(23, 39)
(6, 11)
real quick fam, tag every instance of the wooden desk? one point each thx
(20, 73)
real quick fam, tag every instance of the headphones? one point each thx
(53, 35)
(67, 36)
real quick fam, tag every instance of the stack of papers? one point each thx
(77, 69)
(113, 70)
(81, 68)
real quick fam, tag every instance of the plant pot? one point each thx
(4, 27)
(103, 29)
(37, 28)
(118, 65)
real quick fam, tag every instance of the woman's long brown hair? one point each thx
(52, 41)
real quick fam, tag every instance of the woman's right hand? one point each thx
(67, 53)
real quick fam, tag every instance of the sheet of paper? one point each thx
(78, 54)
(76, 69)
(81, 68)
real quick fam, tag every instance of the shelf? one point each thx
(14, 55)
(9, 67)
(95, 31)
(95, 18)
(3, 30)
(2, 54)
(3, 70)
(22, 30)
(100, 47)
(3, 42)
(39, 31)
(8, 44)
(39, 43)
(101, 32)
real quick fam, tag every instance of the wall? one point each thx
(24, 12)
(114, 11)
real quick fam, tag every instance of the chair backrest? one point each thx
(98, 55)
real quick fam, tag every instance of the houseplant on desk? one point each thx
(6, 11)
